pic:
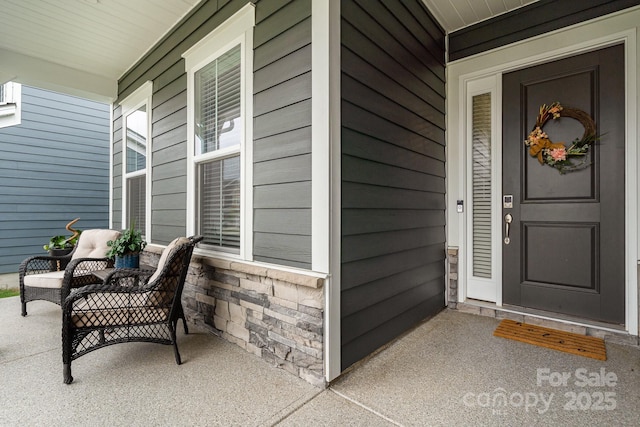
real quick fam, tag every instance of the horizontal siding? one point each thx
(282, 133)
(54, 168)
(296, 37)
(282, 126)
(532, 20)
(393, 172)
(169, 155)
(168, 51)
(295, 250)
(293, 195)
(395, 326)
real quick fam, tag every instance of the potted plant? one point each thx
(125, 250)
(62, 245)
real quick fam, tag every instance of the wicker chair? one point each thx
(51, 278)
(129, 306)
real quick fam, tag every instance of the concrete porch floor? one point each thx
(448, 371)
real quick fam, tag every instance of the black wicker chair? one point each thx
(51, 278)
(129, 306)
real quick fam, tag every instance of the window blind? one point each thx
(481, 171)
(136, 201)
(217, 89)
(220, 203)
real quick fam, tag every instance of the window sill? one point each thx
(8, 110)
(299, 277)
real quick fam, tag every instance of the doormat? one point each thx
(551, 338)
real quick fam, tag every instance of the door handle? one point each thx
(508, 219)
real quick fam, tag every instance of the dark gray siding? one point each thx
(54, 167)
(282, 126)
(529, 21)
(282, 133)
(393, 171)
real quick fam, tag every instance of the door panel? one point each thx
(566, 250)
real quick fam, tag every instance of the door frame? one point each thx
(464, 75)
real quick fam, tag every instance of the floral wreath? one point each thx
(556, 154)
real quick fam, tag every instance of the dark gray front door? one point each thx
(567, 242)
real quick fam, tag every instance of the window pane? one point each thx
(217, 112)
(137, 140)
(481, 145)
(219, 220)
(136, 199)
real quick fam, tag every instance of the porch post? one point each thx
(325, 173)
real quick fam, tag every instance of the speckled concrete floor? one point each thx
(448, 371)
(452, 371)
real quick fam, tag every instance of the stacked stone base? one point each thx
(274, 314)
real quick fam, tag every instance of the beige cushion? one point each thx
(116, 309)
(93, 243)
(165, 254)
(50, 280)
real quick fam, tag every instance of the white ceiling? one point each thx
(82, 47)
(86, 44)
(456, 14)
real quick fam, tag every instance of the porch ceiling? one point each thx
(456, 14)
(80, 47)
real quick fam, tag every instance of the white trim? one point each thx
(137, 97)
(230, 29)
(320, 136)
(482, 288)
(246, 189)
(111, 165)
(11, 113)
(583, 37)
(237, 30)
(141, 96)
(326, 177)
(632, 160)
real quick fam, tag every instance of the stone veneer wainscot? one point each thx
(274, 314)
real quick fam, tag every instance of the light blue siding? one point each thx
(54, 167)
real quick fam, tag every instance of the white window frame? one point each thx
(141, 96)
(486, 289)
(11, 112)
(238, 29)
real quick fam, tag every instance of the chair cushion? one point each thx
(116, 309)
(52, 280)
(165, 255)
(93, 243)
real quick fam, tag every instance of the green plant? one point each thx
(129, 242)
(61, 242)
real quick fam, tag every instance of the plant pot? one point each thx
(59, 265)
(128, 261)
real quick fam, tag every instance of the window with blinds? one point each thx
(220, 203)
(7, 91)
(218, 128)
(217, 113)
(136, 127)
(137, 139)
(136, 197)
(481, 176)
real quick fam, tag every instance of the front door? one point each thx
(566, 245)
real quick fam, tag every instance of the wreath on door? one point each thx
(556, 154)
